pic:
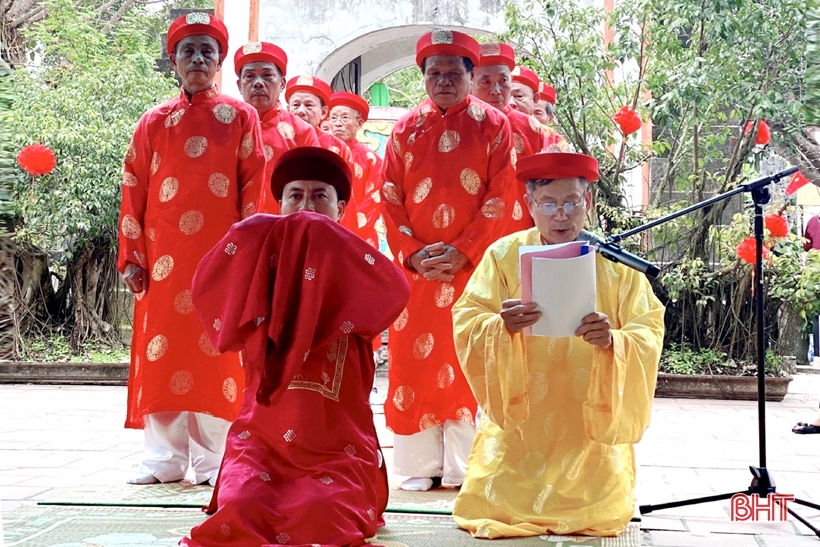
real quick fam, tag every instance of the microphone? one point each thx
(614, 253)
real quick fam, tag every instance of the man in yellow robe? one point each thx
(553, 453)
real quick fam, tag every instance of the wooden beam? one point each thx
(253, 21)
(219, 11)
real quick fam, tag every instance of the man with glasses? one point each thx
(554, 449)
(348, 112)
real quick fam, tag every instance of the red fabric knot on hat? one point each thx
(447, 42)
(350, 100)
(311, 163)
(547, 92)
(557, 165)
(497, 53)
(260, 51)
(308, 84)
(524, 75)
(197, 23)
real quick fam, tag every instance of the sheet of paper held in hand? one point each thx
(561, 280)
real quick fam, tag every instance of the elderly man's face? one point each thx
(345, 122)
(523, 98)
(196, 59)
(308, 107)
(311, 195)
(447, 80)
(541, 112)
(560, 227)
(492, 84)
(261, 84)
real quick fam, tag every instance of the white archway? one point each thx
(382, 52)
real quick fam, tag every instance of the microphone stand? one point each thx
(762, 482)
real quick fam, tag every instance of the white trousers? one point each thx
(439, 451)
(173, 439)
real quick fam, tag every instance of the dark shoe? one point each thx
(805, 429)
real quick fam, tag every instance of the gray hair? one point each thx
(533, 184)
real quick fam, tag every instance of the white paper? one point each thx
(564, 290)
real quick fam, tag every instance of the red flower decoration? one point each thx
(777, 226)
(37, 159)
(746, 250)
(627, 120)
(763, 134)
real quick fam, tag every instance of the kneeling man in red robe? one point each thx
(301, 296)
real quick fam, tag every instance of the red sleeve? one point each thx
(136, 172)
(392, 204)
(251, 168)
(492, 219)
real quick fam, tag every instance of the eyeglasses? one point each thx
(344, 119)
(551, 209)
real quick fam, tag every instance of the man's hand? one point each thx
(595, 329)
(450, 260)
(135, 278)
(517, 316)
(415, 260)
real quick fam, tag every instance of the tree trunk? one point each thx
(791, 340)
(93, 281)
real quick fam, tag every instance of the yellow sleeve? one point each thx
(623, 377)
(493, 359)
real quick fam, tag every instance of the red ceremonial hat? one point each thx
(497, 54)
(523, 75)
(447, 42)
(260, 51)
(547, 92)
(311, 163)
(308, 84)
(557, 165)
(350, 100)
(197, 23)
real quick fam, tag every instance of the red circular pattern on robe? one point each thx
(476, 112)
(219, 183)
(183, 304)
(181, 382)
(494, 208)
(191, 222)
(286, 130)
(129, 179)
(518, 211)
(423, 346)
(229, 389)
(225, 113)
(246, 147)
(443, 216)
(403, 398)
(156, 347)
(470, 181)
(206, 346)
(162, 267)
(446, 376)
(155, 161)
(130, 227)
(168, 189)
(428, 420)
(465, 415)
(174, 117)
(449, 141)
(195, 146)
(422, 190)
(445, 295)
(401, 320)
(391, 193)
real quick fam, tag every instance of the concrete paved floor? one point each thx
(54, 438)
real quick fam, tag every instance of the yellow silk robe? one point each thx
(554, 449)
